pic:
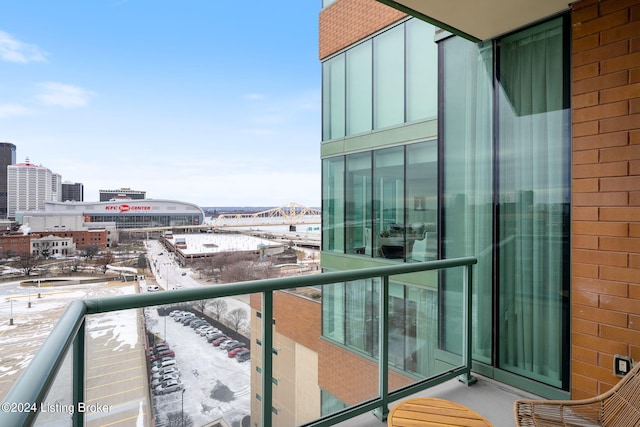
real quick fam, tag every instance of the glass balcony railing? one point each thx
(95, 367)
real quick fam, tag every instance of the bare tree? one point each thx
(179, 419)
(89, 251)
(27, 262)
(218, 307)
(142, 262)
(237, 318)
(105, 260)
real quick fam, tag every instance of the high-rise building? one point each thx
(29, 186)
(511, 137)
(121, 194)
(7, 157)
(72, 191)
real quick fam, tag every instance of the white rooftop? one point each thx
(211, 243)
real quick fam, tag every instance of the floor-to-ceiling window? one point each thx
(333, 205)
(382, 203)
(384, 81)
(505, 141)
(533, 187)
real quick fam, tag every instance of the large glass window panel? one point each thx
(534, 196)
(422, 201)
(359, 95)
(333, 205)
(388, 202)
(333, 312)
(421, 330)
(468, 184)
(362, 314)
(422, 70)
(333, 98)
(388, 78)
(358, 204)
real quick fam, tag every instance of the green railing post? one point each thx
(78, 374)
(467, 344)
(383, 375)
(267, 357)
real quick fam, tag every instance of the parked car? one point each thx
(163, 379)
(219, 341)
(159, 361)
(205, 331)
(233, 352)
(234, 346)
(212, 332)
(161, 354)
(165, 371)
(227, 343)
(163, 365)
(202, 326)
(197, 323)
(215, 336)
(243, 355)
(183, 316)
(153, 288)
(168, 387)
(189, 320)
(160, 347)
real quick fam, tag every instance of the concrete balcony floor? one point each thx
(489, 398)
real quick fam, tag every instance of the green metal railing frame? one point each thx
(35, 382)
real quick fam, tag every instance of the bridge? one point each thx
(292, 215)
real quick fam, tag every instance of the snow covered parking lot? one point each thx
(215, 385)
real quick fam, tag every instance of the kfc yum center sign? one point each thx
(127, 208)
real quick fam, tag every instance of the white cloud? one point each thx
(63, 95)
(12, 50)
(254, 96)
(13, 110)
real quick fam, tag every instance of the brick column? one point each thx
(606, 191)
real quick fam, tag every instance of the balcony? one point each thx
(75, 376)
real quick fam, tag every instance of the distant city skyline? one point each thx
(177, 100)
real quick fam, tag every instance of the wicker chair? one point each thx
(619, 406)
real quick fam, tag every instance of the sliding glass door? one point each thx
(505, 143)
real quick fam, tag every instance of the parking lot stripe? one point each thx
(103, 398)
(108, 374)
(115, 382)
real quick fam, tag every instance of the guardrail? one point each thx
(69, 335)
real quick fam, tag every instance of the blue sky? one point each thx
(211, 102)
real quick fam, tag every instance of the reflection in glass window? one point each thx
(333, 312)
(359, 96)
(388, 78)
(333, 98)
(333, 204)
(358, 204)
(422, 201)
(421, 70)
(534, 162)
(388, 200)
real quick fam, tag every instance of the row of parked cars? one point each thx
(234, 348)
(165, 375)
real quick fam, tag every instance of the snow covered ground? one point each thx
(215, 385)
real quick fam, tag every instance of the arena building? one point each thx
(127, 214)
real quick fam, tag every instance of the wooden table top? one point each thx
(427, 411)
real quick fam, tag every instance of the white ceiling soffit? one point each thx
(480, 20)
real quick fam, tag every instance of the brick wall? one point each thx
(351, 377)
(606, 190)
(347, 21)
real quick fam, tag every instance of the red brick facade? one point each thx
(606, 190)
(347, 21)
